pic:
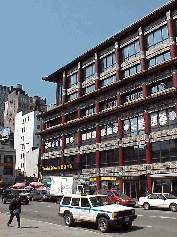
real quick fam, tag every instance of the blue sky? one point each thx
(40, 36)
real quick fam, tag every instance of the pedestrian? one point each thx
(15, 210)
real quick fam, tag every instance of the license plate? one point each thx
(126, 219)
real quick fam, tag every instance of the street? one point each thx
(148, 223)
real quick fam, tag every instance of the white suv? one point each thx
(95, 208)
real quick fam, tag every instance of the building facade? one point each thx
(4, 91)
(26, 143)
(18, 101)
(115, 117)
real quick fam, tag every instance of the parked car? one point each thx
(99, 209)
(39, 195)
(8, 195)
(118, 197)
(159, 200)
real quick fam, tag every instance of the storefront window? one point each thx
(89, 136)
(109, 158)
(109, 131)
(89, 161)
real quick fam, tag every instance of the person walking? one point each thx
(15, 210)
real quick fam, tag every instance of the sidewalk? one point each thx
(30, 228)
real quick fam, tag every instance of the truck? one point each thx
(61, 186)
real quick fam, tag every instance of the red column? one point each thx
(78, 144)
(42, 163)
(97, 107)
(78, 113)
(42, 146)
(120, 128)
(121, 163)
(119, 102)
(79, 81)
(171, 34)
(97, 80)
(148, 153)
(63, 147)
(98, 138)
(43, 126)
(118, 61)
(64, 88)
(121, 185)
(147, 123)
(63, 118)
(142, 50)
(57, 95)
(175, 79)
(145, 91)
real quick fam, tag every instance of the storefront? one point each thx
(164, 183)
(108, 182)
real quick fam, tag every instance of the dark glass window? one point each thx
(71, 116)
(89, 161)
(162, 86)
(88, 110)
(157, 37)
(165, 151)
(71, 140)
(134, 155)
(109, 158)
(133, 96)
(66, 200)
(130, 51)
(89, 71)
(109, 131)
(109, 104)
(107, 62)
(8, 159)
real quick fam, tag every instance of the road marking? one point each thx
(149, 226)
(140, 215)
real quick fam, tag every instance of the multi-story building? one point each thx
(4, 91)
(26, 143)
(18, 101)
(115, 116)
(7, 162)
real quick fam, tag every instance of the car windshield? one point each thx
(101, 201)
(119, 193)
(170, 196)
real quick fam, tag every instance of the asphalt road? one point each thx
(157, 223)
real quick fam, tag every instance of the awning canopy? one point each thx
(171, 175)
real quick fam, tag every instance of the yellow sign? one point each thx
(92, 179)
(60, 167)
(109, 178)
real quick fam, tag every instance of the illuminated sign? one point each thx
(105, 178)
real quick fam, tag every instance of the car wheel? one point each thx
(173, 207)
(146, 206)
(103, 224)
(126, 226)
(68, 219)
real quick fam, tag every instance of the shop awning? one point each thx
(46, 181)
(172, 175)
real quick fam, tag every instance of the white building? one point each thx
(26, 142)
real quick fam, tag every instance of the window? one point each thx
(135, 155)
(157, 37)
(164, 151)
(109, 131)
(75, 202)
(108, 62)
(108, 80)
(88, 110)
(73, 96)
(133, 126)
(71, 140)
(132, 70)
(109, 158)
(71, 116)
(159, 59)
(89, 89)
(133, 96)
(72, 80)
(165, 119)
(38, 126)
(89, 136)
(66, 200)
(85, 202)
(8, 159)
(89, 160)
(109, 104)
(130, 51)
(89, 71)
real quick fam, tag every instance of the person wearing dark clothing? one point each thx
(15, 205)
